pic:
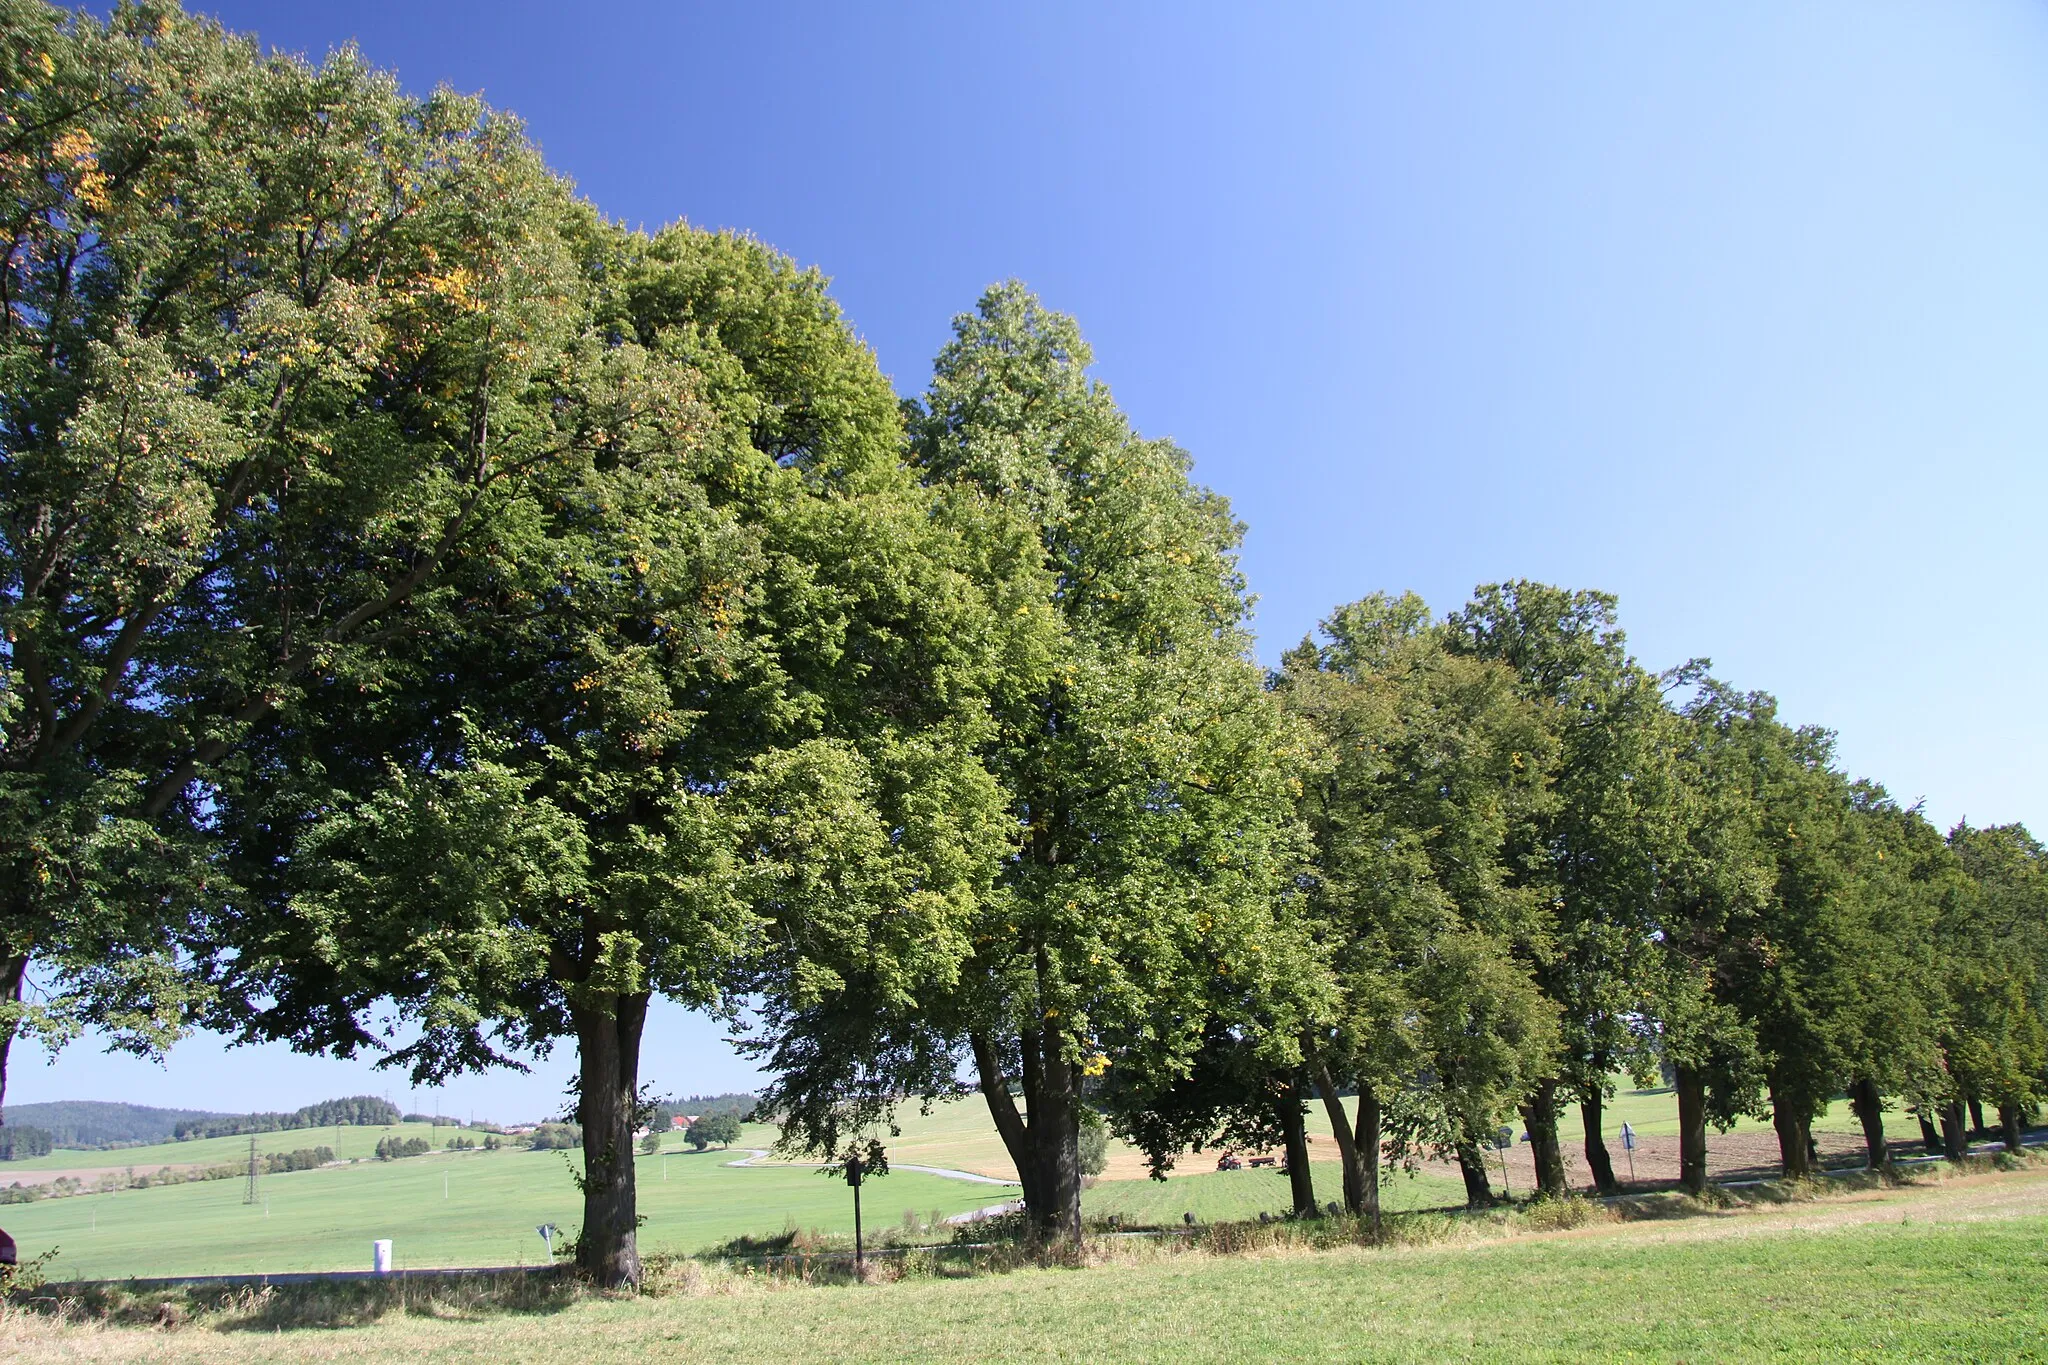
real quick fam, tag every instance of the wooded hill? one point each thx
(90, 1124)
(103, 1123)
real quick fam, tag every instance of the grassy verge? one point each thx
(1947, 1269)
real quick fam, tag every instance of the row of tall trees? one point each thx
(439, 620)
(1539, 867)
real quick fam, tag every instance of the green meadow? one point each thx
(1219, 1196)
(479, 1208)
(346, 1140)
(1945, 1270)
(444, 1209)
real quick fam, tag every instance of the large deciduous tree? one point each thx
(1149, 823)
(1827, 963)
(275, 350)
(715, 701)
(1589, 857)
(1433, 767)
(1992, 943)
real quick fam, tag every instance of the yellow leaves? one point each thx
(460, 286)
(1051, 1013)
(76, 146)
(48, 63)
(1095, 1065)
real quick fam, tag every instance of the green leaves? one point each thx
(281, 350)
(1433, 766)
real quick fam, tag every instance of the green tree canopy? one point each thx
(1434, 767)
(1147, 829)
(1588, 857)
(282, 346)
(1992, 944)
(714, 703)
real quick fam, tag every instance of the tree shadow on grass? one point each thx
(1721, 1201)
(315, 1304)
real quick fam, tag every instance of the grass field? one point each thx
(454, 1208)
(347, 1142)
(1216, 1196)
(480, 1208)
(1957, 1270)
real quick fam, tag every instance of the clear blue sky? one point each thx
(1738, 311)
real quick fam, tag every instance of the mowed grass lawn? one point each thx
(446, 1209)
(1958, 1272)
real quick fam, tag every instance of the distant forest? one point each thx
(100, 1123)
(90, 1124)
(355, 1111)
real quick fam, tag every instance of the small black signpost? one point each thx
(853, 1174)
(859, 1165)
(1628, 1144)
(1502, 1140)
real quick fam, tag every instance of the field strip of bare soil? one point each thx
(87, 1175)
(1970, 1198)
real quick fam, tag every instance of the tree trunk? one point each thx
(1794, 1123)
(1366, 1142)
(1955, 1143)
(608, 1040)
(1596, 1145)
(1929, 1138)
(1977, 1129)
(1055, 1110)
(1045, 1140)
(1539, 1113)
(1472, 1163)
(1301, 1181)
(1869, 1107)
(2009, 1128)
(13, 975)
(1002, 1109)
(1347, 1143)
(1692, 1130)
